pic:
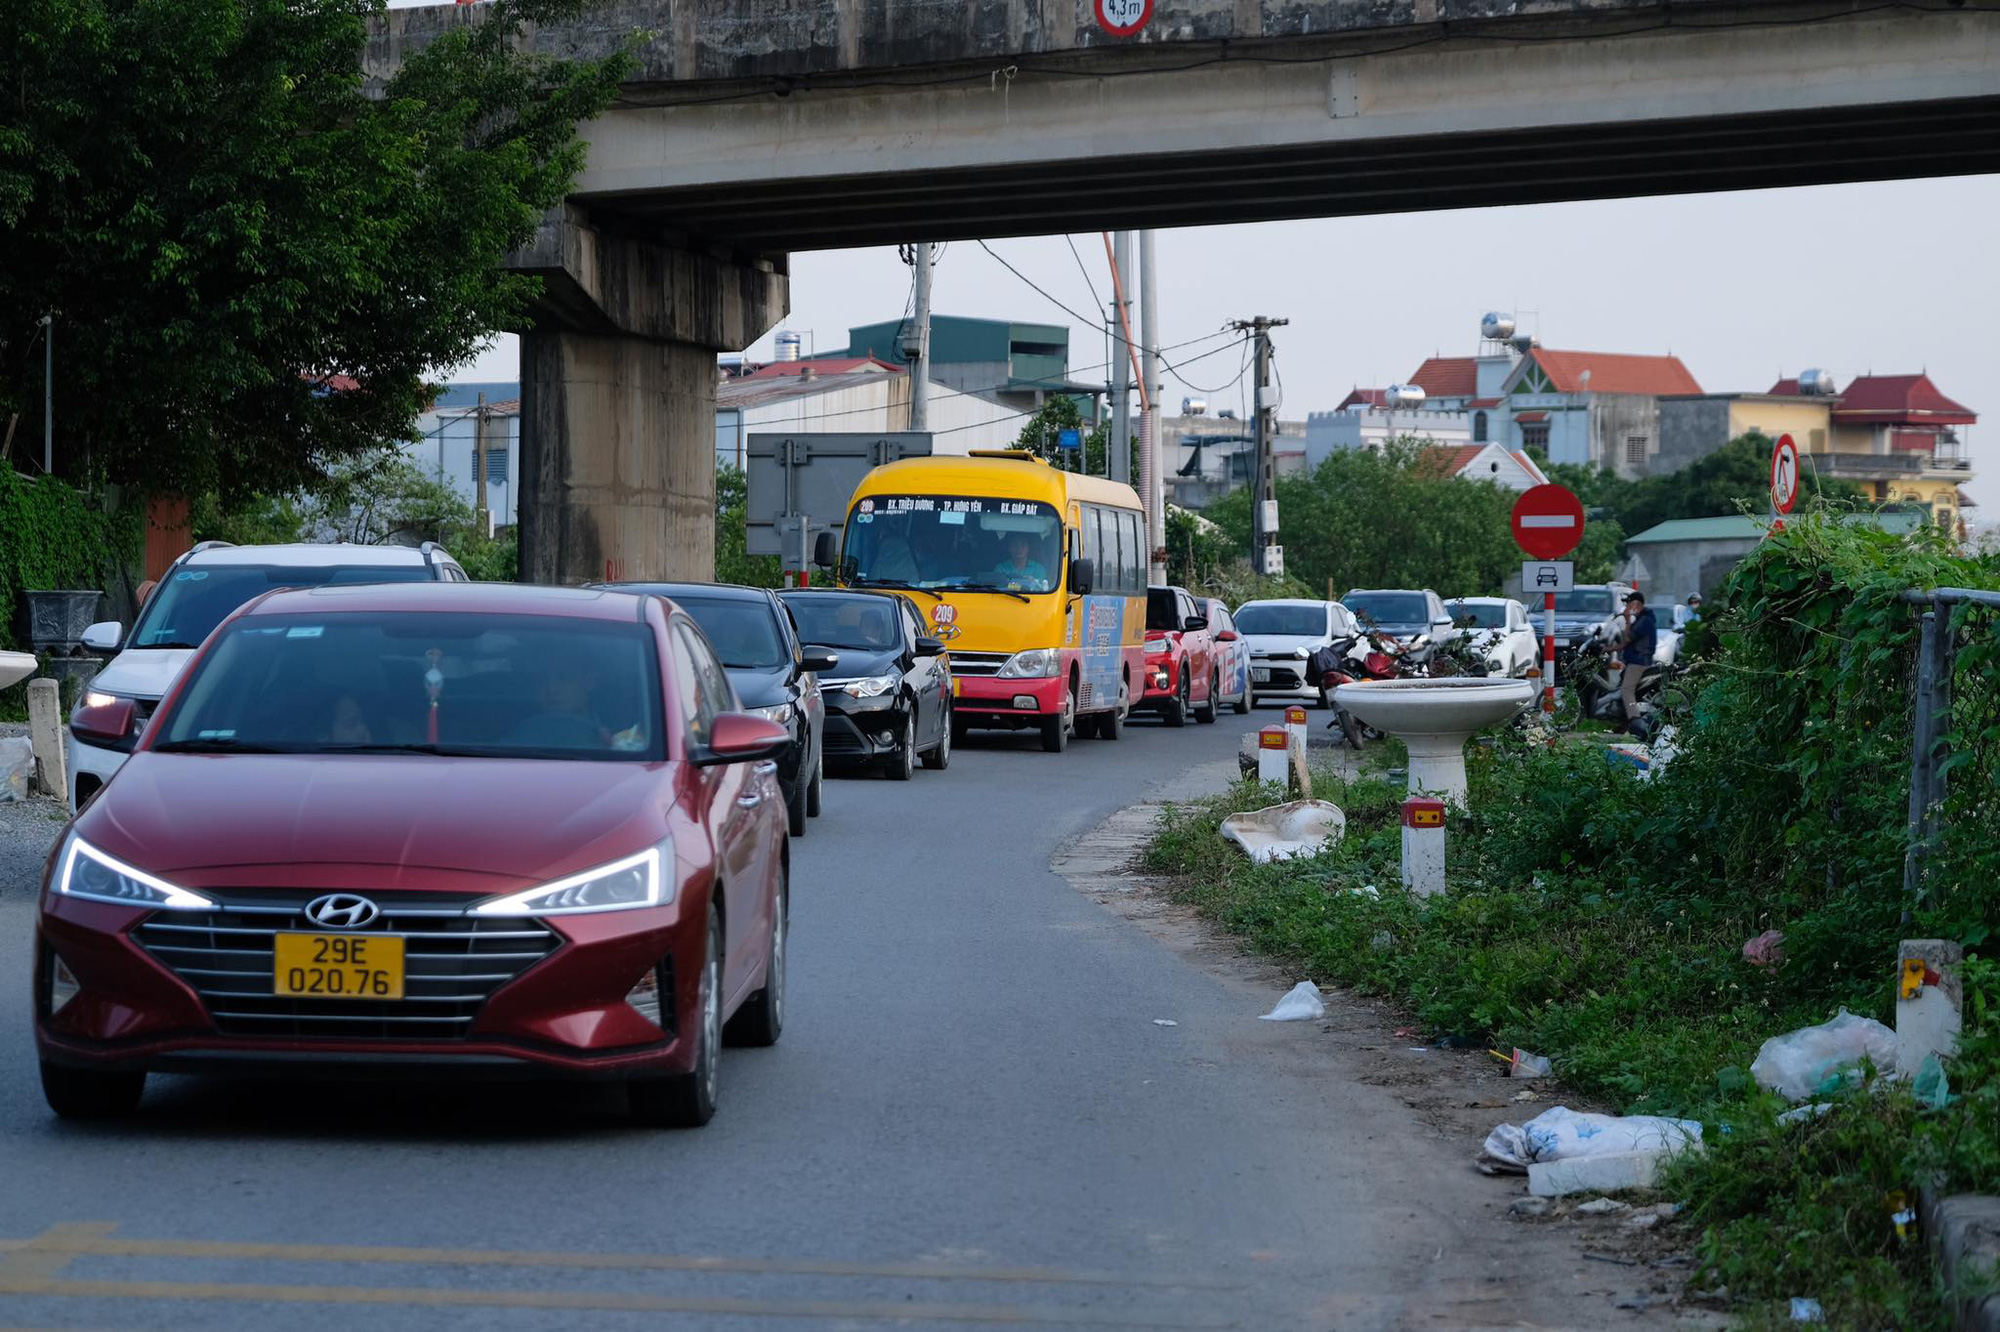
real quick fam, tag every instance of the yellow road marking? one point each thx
(96, 1240)
(48, 1253)
(430, 1297)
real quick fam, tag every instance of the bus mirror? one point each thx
(824, 550)
(1082, 577)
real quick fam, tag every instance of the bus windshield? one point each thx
(948, 542)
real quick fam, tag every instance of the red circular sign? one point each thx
(1122, 18)
(1548, 522)
(1784, 474)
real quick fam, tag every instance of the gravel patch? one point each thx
(28, 829)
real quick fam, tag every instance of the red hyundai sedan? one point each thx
(424, 827)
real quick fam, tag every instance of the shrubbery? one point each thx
(1599, 919)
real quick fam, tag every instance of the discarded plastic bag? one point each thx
(1279, 832)
(1766, 950)
(1930, 1086)
(1561, 1134)
(17, 765)
(1300, 1004)
(1522, 1064)
(1813, 1061)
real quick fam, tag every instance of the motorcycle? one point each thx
(1366, 656)
(1593, 691)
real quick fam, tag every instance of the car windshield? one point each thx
(501, 686)
(947, 541)
(1285, 621)
(1477, 614)
(1162, 608)
(743, 631)
(1584, 601)
(1387, 607)
(831, 620)
(185, 608)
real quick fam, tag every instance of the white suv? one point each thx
(1282, 634)
(199, 592)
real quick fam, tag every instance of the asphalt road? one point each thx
(972, 1118)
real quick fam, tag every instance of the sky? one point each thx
(1744, 287)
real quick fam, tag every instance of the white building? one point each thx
(445, 447)
(851, 394)
(1365, 420)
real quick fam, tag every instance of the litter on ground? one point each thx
(1813, 1061)
(1560, 1133)
(1280, 832)
(1300, 1004)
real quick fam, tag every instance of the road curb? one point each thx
(1964, 1233)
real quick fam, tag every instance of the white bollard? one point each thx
(45, 733)
(1928, 1001)
(1274, 757)
(1423, 845)
(1295, 722)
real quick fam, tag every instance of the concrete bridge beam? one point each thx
(618, 399)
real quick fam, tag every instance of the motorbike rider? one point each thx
(1638, 640)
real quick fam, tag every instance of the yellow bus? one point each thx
(1033, 578)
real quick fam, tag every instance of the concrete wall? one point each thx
(1690, 428)
(1676, 568)
(1620, 425)
(1371, 427)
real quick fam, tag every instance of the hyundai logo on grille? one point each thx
(342, 911)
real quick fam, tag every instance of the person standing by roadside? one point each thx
(1638, 642)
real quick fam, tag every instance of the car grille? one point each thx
(978, 663)
(452, 964)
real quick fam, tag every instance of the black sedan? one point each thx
(774, 676)
(890, 703)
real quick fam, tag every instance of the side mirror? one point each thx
(1082, 576)
(737, 737)
(104, 636)
(930, 647)
(825, 550)
(817, 659)
(1195, 623)
(106, 723)
(1226, 636)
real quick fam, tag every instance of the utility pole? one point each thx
(1152, 480)
(1267, 556)
(479, 465)
(1119, 449)
(48, 395)
(917, 346)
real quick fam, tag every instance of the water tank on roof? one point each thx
(1524, 342)
(1406, 395)
(1194, 406)
(1816, 383)
(1496, 327)
(788, 345)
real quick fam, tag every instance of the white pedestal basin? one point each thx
(15, 667)
(1434, 718)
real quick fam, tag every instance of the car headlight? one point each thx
(868, 686)
(1156, 645)
(1033, 664)
(636, 881)
(780, 713)
(97, 698)
(88, 873)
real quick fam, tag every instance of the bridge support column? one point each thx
(618, 400)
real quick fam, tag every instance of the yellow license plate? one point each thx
(338, 966)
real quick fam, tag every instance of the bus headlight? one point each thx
(1033, 664)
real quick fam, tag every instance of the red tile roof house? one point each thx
(1601, 409)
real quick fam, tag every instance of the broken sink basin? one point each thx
(1434, 718)
(15, 667)
(1279, 832)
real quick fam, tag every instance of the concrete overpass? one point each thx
(754, 128)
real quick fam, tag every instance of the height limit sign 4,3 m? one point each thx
(1122, 18)
(1548, 524)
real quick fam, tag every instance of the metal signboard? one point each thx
(1784, 474)
(1122, 18)
(800, 483)
(1069, 438)
(1547, 576)
(1548, 522)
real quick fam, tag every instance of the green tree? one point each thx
(1735, 477)
(1043, 430)
(732, 509)
(222, 217)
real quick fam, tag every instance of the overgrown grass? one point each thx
(1599, 919)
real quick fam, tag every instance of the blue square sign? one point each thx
(1071, 438)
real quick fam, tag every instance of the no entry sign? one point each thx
(1122, 18)
(1548, 522)
(1784, 474)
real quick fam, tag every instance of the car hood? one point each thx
(173, 812)
(142, 672)
(761, 687)
(856, 663)
(1268, 645)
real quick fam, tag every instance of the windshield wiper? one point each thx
(219, 745)
(989, 587)
(862, 580)
(444, 751)
(168, 646)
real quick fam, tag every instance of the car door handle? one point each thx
(750, 800)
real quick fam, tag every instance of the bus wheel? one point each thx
(1055, 731)
(1111, 725)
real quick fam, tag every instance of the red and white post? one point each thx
(1548, 654)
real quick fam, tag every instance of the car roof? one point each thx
(306, 555)
(1286, 601)
(1370, 591)
(873, 594)
(713, 591)
(1480, 601)
(469, 598)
